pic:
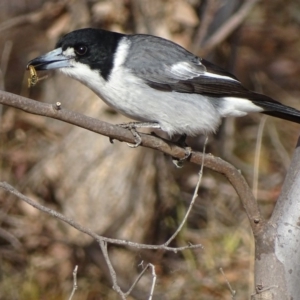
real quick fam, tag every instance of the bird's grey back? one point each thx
(152, 57)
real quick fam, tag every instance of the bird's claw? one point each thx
(178, 162)
(137, 139)
(136, 135)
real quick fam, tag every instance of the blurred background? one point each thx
(138, 194)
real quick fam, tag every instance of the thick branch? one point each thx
(115, 132)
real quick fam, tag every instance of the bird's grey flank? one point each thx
(156, 81)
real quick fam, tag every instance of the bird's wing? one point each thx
(166, 66)
(184, 77)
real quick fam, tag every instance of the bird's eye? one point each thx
(80, 50)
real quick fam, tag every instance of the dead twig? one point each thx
(75, 286)
(232, 291)
(257, 154)
(85, 230)
(153, 281)
(49, 10)
(115, 132)
(226, 29)
(6, 235)
(137, 280)
(113, 275)
(4, 62)
(195, 195)
(116, 287)
(207, 18)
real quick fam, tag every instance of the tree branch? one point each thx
(226, 29)
(7, 187)
(115, 132)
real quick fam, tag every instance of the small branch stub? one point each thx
(57, 106)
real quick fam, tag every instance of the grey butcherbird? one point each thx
(156, 81)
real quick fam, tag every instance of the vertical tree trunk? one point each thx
(277, 260)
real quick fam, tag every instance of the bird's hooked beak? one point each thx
(52, 60)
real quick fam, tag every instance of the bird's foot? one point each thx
(132, 127)
(179, 162)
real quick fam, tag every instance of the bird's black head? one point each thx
(94, 48)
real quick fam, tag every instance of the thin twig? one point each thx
(284, 156)
(6, 235)
(193, 199)
(206, 20)
(227, 28)
(257, 154)
(113, 275)
(87, 231)
(140, 276)
(4, 62)
(49, 10)
(116, 287)
(3, 68)
(232, 291)
(153, 280)
(75, 286)
(137, 280)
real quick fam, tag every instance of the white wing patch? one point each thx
(237, 107)
(213, 75)
(184, 71)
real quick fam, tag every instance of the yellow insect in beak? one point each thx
(33, 77)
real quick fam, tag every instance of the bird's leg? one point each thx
(181, 141)
(139, 125)
(132, 127)
(178, 162)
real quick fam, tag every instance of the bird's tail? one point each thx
(289, 114)
(277, 109)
